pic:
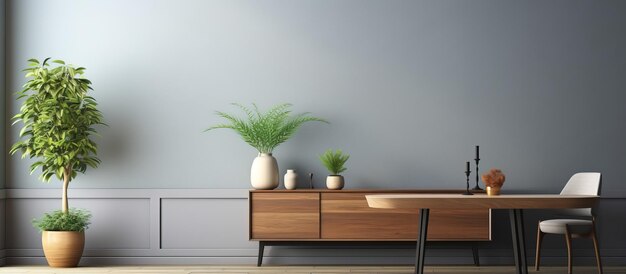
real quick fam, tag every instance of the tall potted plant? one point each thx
(58, 122)
(265, 131)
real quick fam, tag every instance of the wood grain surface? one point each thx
(284, 216)
(365, 190)
(290, 269)
(348, 216)
(455, 201)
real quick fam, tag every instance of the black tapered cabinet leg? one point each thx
(421, 240)
(260, 258)
(475, 255)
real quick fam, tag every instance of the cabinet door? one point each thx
(347, 216)
(284, 216)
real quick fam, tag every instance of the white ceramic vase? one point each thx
(264, 172)
(334, 182)
(291, 179)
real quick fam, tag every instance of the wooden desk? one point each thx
(514, 203)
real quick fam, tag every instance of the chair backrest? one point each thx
(583, 183)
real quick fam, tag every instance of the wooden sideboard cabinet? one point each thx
(309, 216)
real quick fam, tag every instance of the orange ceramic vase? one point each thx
(63, 248)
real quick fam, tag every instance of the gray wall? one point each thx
(2, 131)
(409, 86)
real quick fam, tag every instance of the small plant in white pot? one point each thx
(265, 131)
(59, 119)
(334, 161)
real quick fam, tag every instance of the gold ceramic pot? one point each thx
(63, 248)
(493, 191)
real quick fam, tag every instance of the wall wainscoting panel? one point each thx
(188, 226)
(116, 223)
(202, 221)
(2, 228)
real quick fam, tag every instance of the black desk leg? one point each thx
(518, 239)
(515, 240)
(260, 258)
(522, 241)
(421, 240)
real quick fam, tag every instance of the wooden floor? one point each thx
(233, 269)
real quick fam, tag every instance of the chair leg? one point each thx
(568, 241)
(596, 247)
(538, 252)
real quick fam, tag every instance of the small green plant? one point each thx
(73, 220)
(58, 121)
(265, 130)
(334, 161)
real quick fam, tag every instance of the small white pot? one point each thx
(264, 172)
(291, 179)
(334, 182)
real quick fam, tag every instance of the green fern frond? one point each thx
(334, 161)
(265, 130)
(74, 220)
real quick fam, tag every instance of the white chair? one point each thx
(587, 183)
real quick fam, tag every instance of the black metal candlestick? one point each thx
(311, 180)
(477, 178)
(467, 192)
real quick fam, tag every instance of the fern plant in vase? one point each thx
(265, 131)
(335, 162)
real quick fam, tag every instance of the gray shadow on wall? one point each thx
(113, 147)
(9, 94)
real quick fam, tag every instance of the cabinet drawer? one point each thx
(284, 216)
(347, 216)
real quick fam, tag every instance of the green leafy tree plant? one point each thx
(58, 124)
(265, 130)
(334, 161)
